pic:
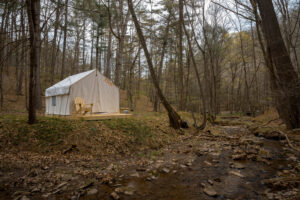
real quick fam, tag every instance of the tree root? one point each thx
(289, 142)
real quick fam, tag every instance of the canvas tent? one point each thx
(91, 86)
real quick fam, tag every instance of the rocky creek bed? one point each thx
(233, 164)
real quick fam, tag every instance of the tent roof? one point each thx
(63, 86)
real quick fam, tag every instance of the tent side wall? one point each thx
(108, 94)
(99, 91)
(59, 106)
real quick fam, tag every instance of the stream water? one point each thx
(188, 183)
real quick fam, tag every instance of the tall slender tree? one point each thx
(33, 13)
(175, 120)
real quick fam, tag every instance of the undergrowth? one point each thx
(48, 131)
(134, 128)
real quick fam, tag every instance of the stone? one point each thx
(115, 195)
(119, 190)
(217, 179)
(46, 195)
(292, 158)
(135, 175)
(182, 166)
(241, 156)
(210, 191)
(92, 191)
(24, 198)
(208, 163)
(216, 154)
(236, 174)
(198, 153)
(166, 170)
(210, 182)
(238, 166)
(45, 168)
(34, 190)
(129, 192)
(141, 169)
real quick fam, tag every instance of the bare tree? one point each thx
(33, 12)
(175, 120)
(286, 83)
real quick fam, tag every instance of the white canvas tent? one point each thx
(91, 86)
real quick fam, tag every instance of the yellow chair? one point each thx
(82, 108)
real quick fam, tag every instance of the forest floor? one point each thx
(142, 158)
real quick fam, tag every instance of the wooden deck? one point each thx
(94, 116)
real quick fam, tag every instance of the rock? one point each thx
(236, 174)
(216, 154)
(151, 178)
(188, 164)
(24, 198)
(210, 182)
(135, 175)
(269, 133)
(217, 180)
(45, 168)
(129, 192)
(199, 153)
(182, 166)
(208, 163)
(119, 190)
(166, 170)
(215, 161)
(34, 190)
(141, 169)
(210, 191)
(115, 195)
(241, 156)
(238, 166)
(46, 195)
(110, 167)
(292, 158)
(269, 195)
(92, 191)
(187, 151)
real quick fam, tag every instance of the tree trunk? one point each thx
(108, 57)
(202, 126)
(287, 82)
(23, 54)
(180, 52)
(33, 13)
(53, 47)
(65, 42)
(97, 47)
(175, 120)
(160, 67)
(92, 47)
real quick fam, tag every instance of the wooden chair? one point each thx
(82, 108)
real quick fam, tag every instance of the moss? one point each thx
(48, 131)
(134, 128)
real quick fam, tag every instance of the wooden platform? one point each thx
(94, 116)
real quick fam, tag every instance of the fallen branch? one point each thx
(268, 122)
(289, 142)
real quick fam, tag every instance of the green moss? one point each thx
(47, 131)
(135, 128)
(52, 130)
